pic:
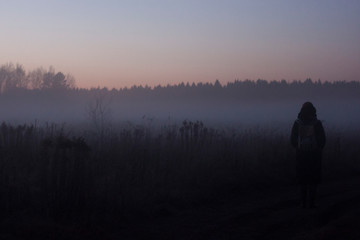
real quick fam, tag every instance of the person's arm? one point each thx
(320, 135)
(294, 135)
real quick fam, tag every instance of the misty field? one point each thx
(49, 172)
(126, 160)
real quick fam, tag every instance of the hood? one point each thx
(307, 113)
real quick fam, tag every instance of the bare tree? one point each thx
(70, 81)
(3, 77)
(98, 112)
(48, 78)
(12, 76)
(36, 78)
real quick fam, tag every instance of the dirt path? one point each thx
(265, 215)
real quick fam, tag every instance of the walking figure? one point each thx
(308, 137)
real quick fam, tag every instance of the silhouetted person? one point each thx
(308, 137)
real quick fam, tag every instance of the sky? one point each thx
(150, 42)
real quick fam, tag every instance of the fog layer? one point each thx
(240, 102)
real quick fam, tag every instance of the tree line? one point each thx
(14, 77)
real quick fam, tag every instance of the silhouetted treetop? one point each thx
(15, 77)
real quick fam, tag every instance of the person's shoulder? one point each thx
(318, 123)
(296, 122)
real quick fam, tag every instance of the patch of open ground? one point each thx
(266, 214)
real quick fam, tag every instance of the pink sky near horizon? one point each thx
(113, 44)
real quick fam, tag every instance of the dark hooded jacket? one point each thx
(308, 163)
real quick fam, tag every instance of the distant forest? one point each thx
(14, 78)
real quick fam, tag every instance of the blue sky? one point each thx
(122, 43)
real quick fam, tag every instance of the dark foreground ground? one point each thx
(265, 214)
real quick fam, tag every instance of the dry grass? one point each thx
(46, 171)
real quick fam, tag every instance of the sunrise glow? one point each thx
(125, 43)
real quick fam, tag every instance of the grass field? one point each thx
(139, 172)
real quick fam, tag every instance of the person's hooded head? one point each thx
(307, 112)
